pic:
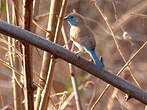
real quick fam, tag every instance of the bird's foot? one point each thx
(66, 44)
(90, 60)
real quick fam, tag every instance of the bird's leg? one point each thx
(81, 50)
(69, 41)
(101, 59)
(91, 60)
(77, 52)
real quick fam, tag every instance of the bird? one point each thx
(82, 36)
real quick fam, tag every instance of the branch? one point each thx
(27, 50)
(58, 51)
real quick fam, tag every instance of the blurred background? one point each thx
(128, 20)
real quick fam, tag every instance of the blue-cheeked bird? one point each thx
(82, 36)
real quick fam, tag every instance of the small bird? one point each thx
(82, 36)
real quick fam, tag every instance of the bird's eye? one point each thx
(71, 17)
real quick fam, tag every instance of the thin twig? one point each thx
(17, 85)
(75, 88)
(12, 68)
(93, 93)
(2, 100)
(100, 96)
(19, 73)
(54, 105)
(139, 15)
(70, 97)
(43, 29)
(15, 50)
(62, 99)
(38, 17)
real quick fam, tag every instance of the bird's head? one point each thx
(74, 19)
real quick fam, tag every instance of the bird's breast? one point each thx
(74, 33)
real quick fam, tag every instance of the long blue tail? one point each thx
(96, 59)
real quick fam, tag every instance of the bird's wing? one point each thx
(86, 39)
(83, 35)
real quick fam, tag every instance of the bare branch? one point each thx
(28, 76)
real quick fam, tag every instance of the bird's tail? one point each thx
(96, 59)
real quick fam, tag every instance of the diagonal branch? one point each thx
(58, 51)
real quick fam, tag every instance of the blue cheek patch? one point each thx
(72, 21)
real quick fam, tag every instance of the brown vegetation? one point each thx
(31, 78)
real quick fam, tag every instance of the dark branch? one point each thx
(57, 50)
(28, 76)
